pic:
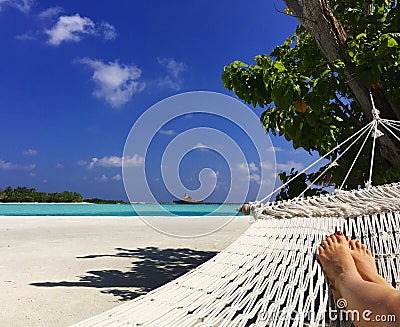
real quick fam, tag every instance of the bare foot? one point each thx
(335, 292)
(365, 263)
(336, 260)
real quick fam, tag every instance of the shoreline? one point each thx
(60, 270)
(47, 203)
(131, 203)
(128, 218)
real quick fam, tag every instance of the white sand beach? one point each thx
(57, 271)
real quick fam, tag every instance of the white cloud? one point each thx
(167, 131)
(169, 83)
(174, 68)
(59, 166)
(82, 163)
(30, 152)
(22, 5)
(255, 178)
(50, 12)
(116, 83)
(70, 28)
(267, 165)
(244, 167)
(109, 31)
(117, 177)
(251, 169)
(73, 28)
(289, 165)
(115, 161)
(32, 174)
(173, 79)
(6, 165)
(29, 36)
(274, 149)
(104, 178)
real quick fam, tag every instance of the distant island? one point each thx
(24, 194)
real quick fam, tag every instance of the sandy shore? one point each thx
(56, 271)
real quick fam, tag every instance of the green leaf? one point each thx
(279, 66)
(368, 76)
(391, 42)
(323, 87)
(282, 95)
(311, 119)
(361, 35)
(238, 64)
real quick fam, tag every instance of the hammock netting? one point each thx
(269, 276)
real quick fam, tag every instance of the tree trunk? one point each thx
(317, 18)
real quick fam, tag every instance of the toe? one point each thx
(340, 238)
(324, 244)
(321, 254)
(321, 250)
(358, 244)
(364, 248)
(331, 238)
(353, 244)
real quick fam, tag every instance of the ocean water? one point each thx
(42, 209)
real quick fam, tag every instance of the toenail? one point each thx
(339, 233)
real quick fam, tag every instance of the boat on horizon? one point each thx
(188, 200)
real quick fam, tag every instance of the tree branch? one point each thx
(331, 38)
(293, 15)
(347, 111)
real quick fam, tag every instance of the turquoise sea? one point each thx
(39, 209)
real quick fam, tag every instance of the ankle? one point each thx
(347, 276)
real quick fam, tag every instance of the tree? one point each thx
(23, 194)
(315, 86)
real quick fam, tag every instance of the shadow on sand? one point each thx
(151, 268)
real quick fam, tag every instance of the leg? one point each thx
(361, 295)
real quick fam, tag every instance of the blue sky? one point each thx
(74, 78)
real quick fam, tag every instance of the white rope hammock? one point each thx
(342, 204)
(269, 276)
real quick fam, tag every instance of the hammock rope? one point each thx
(269, 276)
(267, 197)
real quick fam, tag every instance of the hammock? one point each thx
(269, 276)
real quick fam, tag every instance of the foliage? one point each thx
(373, 41)
(24, 194)
(296, 188)
(306, 97)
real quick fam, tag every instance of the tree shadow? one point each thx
(152, 268)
